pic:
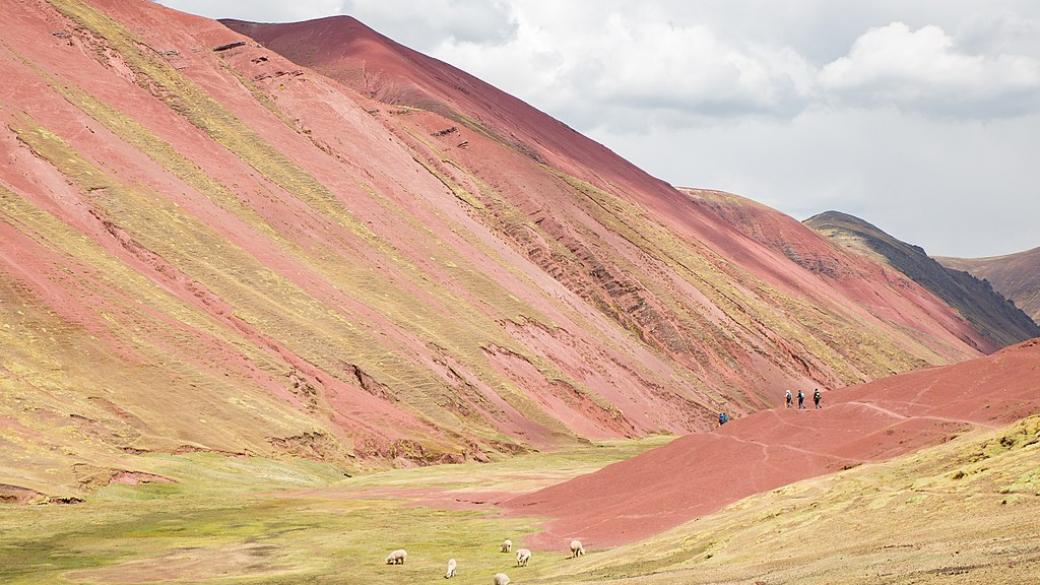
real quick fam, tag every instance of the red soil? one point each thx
(348, 51)
(703, 472)
(305, 278)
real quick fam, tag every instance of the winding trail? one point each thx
(701, 473)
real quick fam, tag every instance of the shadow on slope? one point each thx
(988, 311)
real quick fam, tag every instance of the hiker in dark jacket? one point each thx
(816, 397)
(801, 399)
(723, 418)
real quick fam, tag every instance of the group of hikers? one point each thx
(817, 397)
(789, 399)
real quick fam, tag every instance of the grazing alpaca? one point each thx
(577, 549)
(507, 545)
(451, 569)
(522, 556)
(501, 579)
(397, 557)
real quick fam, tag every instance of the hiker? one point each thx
(801, 400)
(816, 397)
(788, 398)
(723, 418)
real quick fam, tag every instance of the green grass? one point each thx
(262, 521)
(967, 505)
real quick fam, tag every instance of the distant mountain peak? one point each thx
(985, 308)
(1016, 276)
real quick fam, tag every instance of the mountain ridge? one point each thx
(989, 311)
(210, 248)
(1016, 276)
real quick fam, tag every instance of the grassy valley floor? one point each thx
(253, 520)
(962, 512)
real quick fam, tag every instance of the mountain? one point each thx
(362, 255)
(701, 473)
(1016, 276)
(382, 69)
(856, 273)
(999, 320)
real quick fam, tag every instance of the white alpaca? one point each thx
(397, 557)
(576, 548)
(451, 569)
(501, 579)
(522, 556)
(507, 545)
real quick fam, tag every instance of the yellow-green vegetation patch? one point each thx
(420, 389)
(262, 521)
(260, 297)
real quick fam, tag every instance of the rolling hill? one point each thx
(992, 315)
(325, 246)
(1016, 276)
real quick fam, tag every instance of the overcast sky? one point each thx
(922, 117)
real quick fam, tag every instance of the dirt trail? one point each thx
(700, 473)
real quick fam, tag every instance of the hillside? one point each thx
(210, 248)
(699, 474)
(961, 512)
(844, 255)
(988, 311)
(346, 50)
(1016, 276)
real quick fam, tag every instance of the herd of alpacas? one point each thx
(523, 556)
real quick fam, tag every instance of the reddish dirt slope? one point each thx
(209, 247)
(859, 277)
(701, 473)
(503, 141)
(347, 50)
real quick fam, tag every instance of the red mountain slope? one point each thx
(370, 63)
(701, 473)
(864, 278)
(347, 50)
(209, 247)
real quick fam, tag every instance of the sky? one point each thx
(921, 117)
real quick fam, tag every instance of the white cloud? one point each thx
(625, 72)
(689, 68)
(259, 10)
(923, 70)
(964, 189)
(434, 21)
